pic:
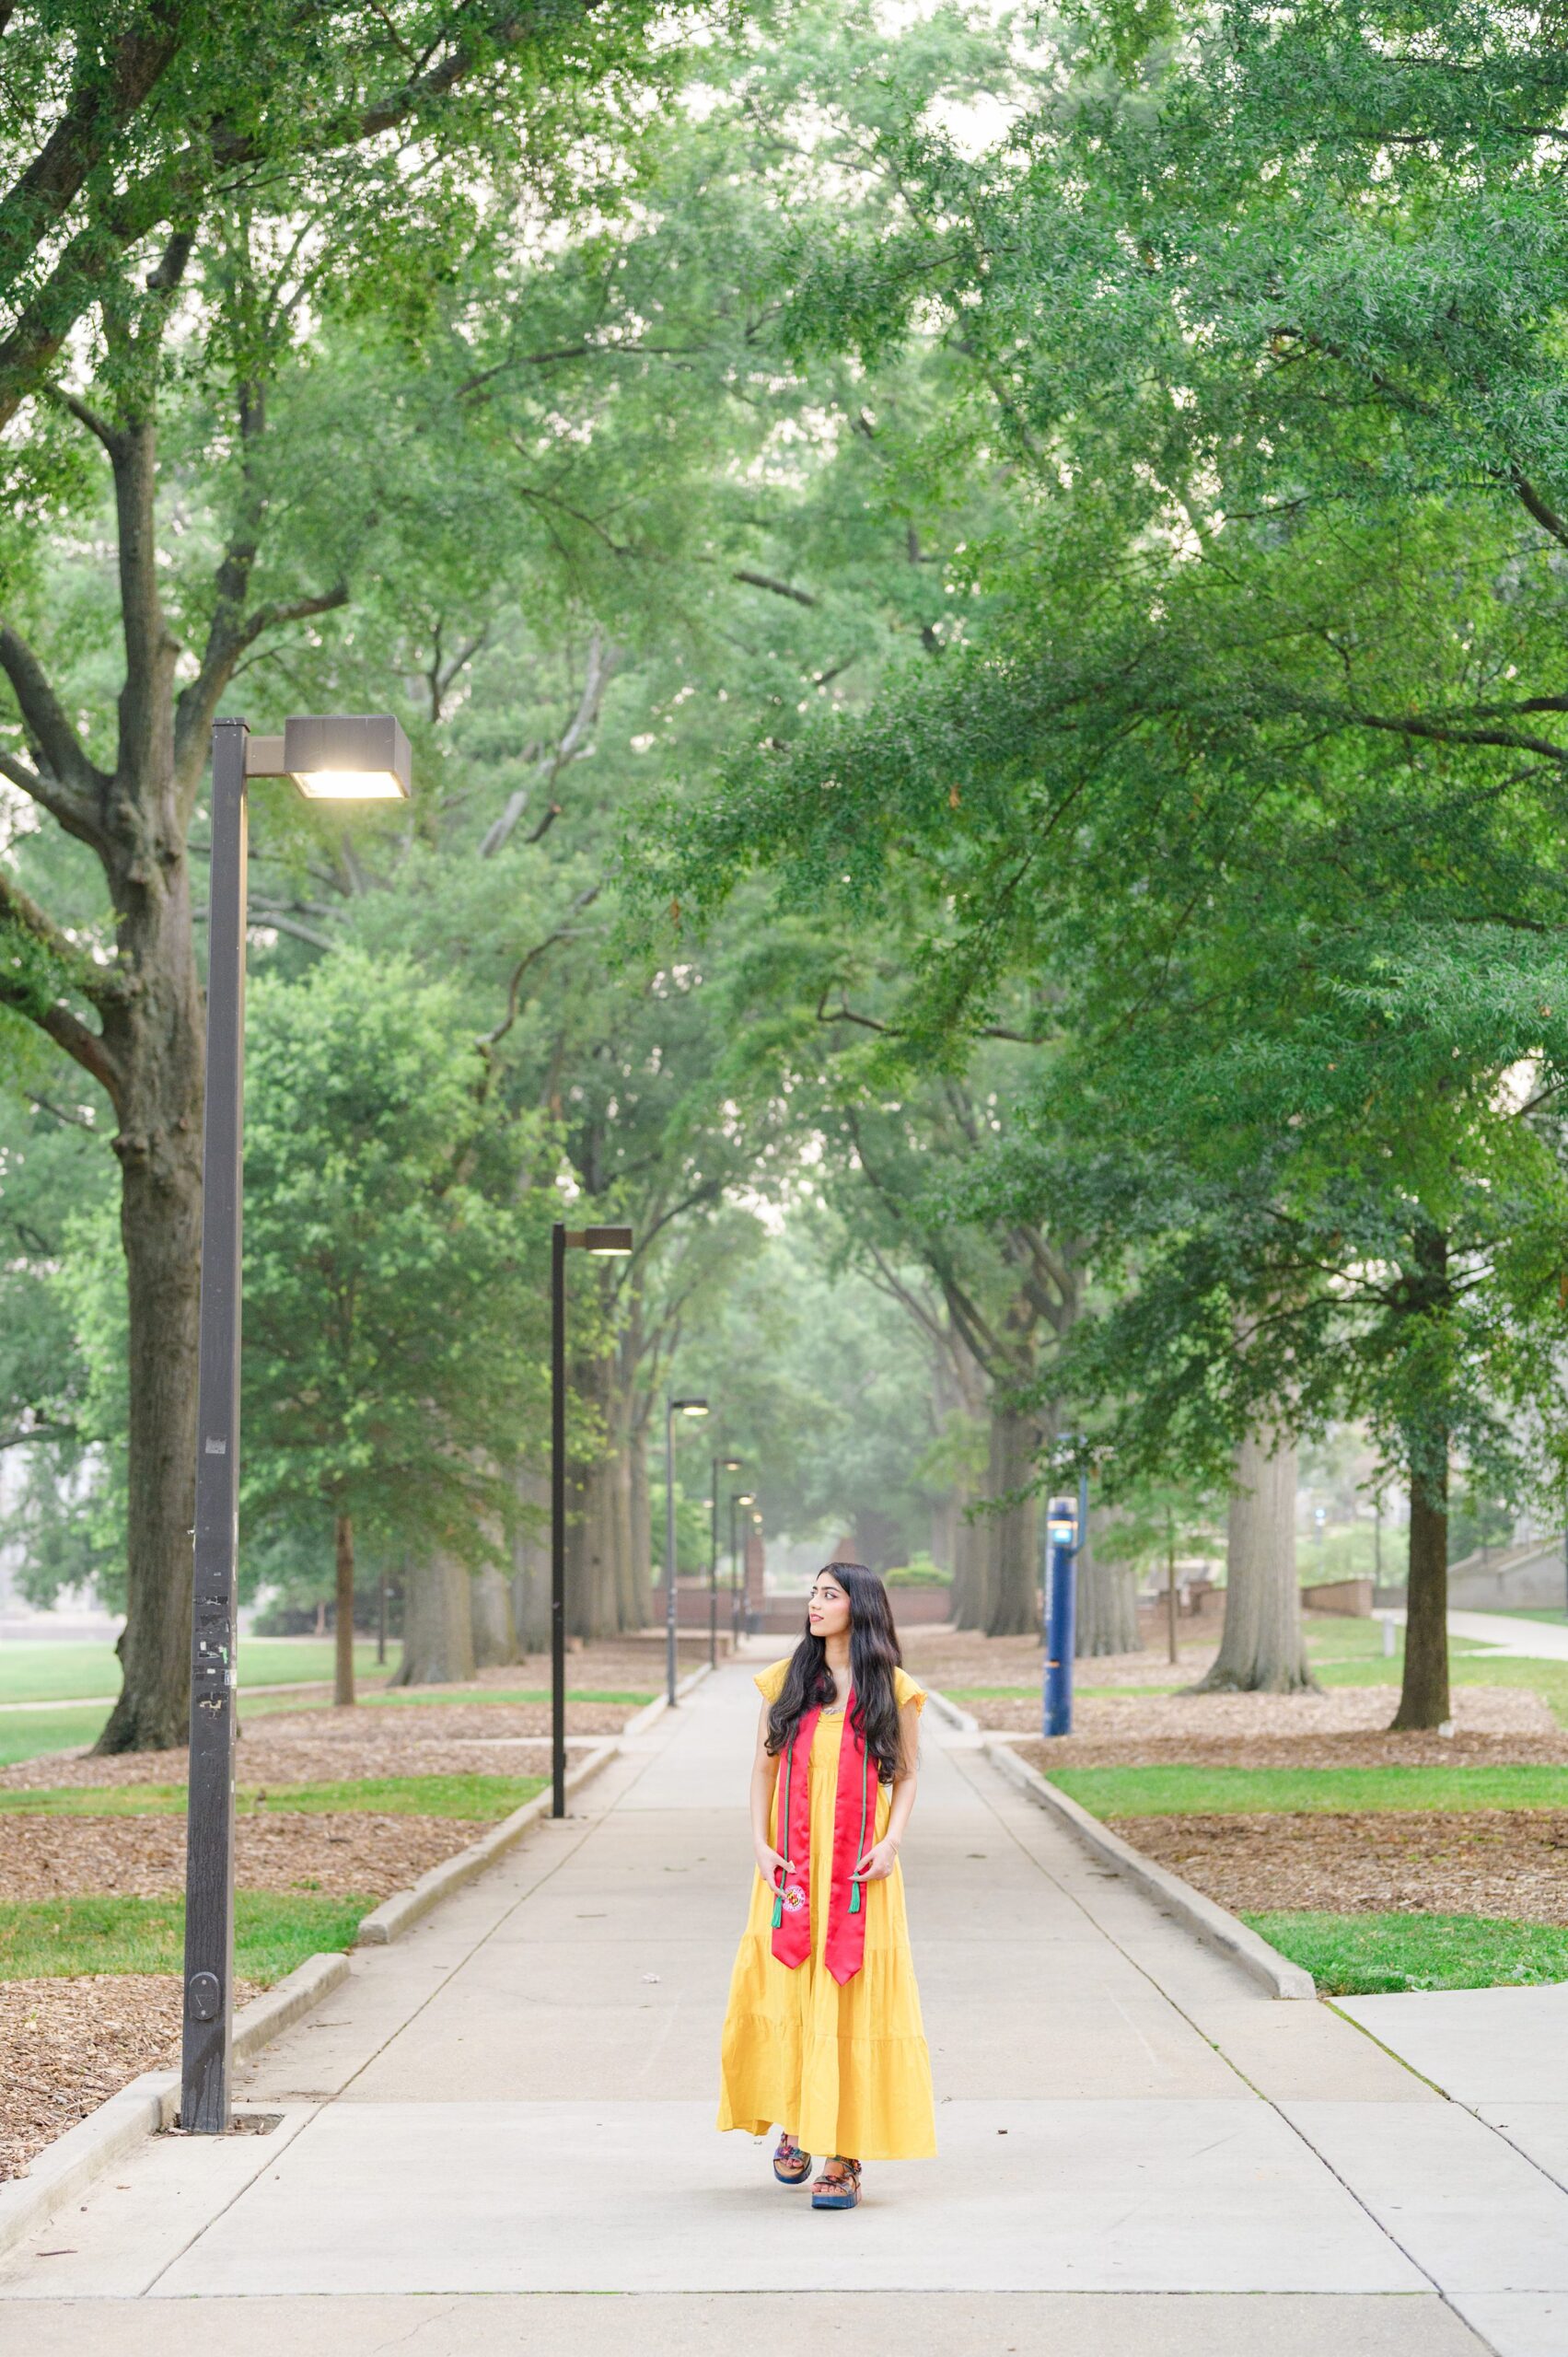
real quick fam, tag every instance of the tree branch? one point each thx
(777, 589)
(488, 1040)
(67, 783)
(600, 664)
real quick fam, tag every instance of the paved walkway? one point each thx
(1513, 1633)
(513, 2107)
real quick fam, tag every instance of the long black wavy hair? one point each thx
(872, 1656)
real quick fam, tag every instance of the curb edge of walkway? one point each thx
(1212, 1924)
(73, 2164)
(395, 1915)
(656, 1708)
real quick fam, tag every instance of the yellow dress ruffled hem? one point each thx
(843, 2070)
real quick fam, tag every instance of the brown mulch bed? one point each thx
(962, 1657)
(67, 2046)
(1504, 1863)
(144, 1857)
(309, 1746)
(1346, 1728)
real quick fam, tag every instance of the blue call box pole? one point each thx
(1066, 1530)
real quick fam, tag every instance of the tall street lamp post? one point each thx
(672, 1408)
(721, 1465)
(330, 760)
(605, 1243)
(738, 1498)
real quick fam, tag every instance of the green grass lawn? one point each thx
(471, 1796)
(1552, 1613)
(49, 1938)
(1363, 1955)
(27, 1734)
(1180, 1791)
(59, 1673)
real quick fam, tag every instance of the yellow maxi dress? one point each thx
(842, 2070)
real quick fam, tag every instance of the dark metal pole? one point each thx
(558, 1519)
(713, 1569)
(209, 1857)
(734, 1581)
(669, 1548)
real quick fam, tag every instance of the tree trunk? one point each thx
(968, 1552)
(157, 1036)
(342, 1667)
(1106, 1617)
(530, 1560)
(1012, 1584)
(494, 1631)
(1423, 1698)
(437, 1624)
(943, 1541)
(1261, 1650)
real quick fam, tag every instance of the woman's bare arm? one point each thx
(764, 1778)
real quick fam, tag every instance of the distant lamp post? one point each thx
(336, 758)
(721, 1465)
(605, 1243)
(672, 1408)
(738, 1498)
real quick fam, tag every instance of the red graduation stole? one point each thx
(853, 1808)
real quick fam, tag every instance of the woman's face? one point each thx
(827, 1609)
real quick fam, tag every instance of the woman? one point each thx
(823, 2033)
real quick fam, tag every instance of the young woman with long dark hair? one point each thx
(823, 2034)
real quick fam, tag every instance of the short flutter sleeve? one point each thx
(768, 1682)
(906, 1691)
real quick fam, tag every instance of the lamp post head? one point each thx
(746, 1498)
(689, 1407)
(729, 1464)
(340, 758)
(608, 1243)
(1063, 1521)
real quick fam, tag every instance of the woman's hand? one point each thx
(770, 1865)
(878, 1862)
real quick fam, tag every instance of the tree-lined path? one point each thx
(512, 2108)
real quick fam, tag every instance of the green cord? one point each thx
(783, 1827)
(860, 1850)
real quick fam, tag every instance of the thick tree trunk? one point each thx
(342, 1667)
(437, 1624)
(494, 1632)
(156, 1035)
(1012, 1582)
(942, 1542)
(1106, 1616)
(1261, 1650)
(1423, 1698)
(530, 1560)
(969, 1570)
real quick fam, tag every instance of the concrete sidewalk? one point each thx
(513, 2107)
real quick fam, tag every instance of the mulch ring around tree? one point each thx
(1506, 1863)
(67, 2046)
(144, 1857)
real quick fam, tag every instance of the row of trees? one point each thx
(979, 623)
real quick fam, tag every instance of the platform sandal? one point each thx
(791, 2165)
(838, 2188)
